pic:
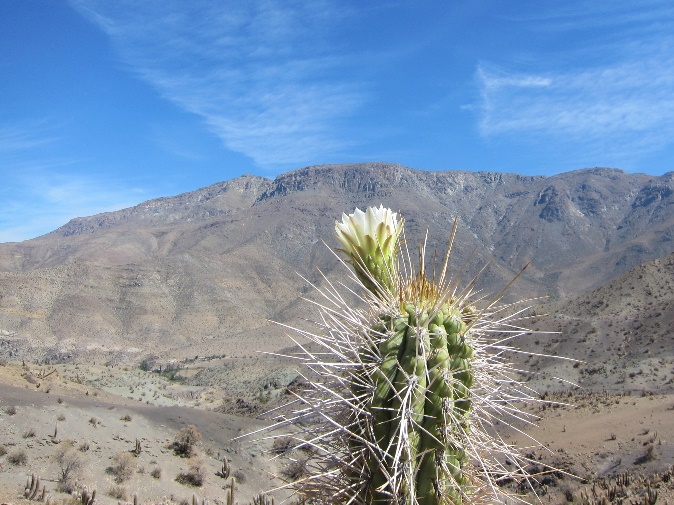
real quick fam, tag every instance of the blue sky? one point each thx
(105, 104)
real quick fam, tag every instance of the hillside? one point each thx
(204, 272)
(623, 332)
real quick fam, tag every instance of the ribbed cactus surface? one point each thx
(420, 404)
(407, 382)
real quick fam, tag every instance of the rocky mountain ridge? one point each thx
(211, 267)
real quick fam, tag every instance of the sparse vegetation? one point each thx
(71, 464)
(295, 470)
(122, 467)
(18, 458)
(172, 373)
(283, 445)
(10, 410)
(195, 475)
(156, 472)
(32, 490)
(649, 454)
(118, 493)
(185, 441)
(29, 433)
(239, 476)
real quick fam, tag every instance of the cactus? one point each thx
(86, 498)
(409, 384)
(32, 487)
(229, 497)
(262, 499)
(225, 469)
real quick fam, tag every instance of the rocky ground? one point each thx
(132, 416)
(610, 447)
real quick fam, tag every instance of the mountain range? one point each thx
(206, 271)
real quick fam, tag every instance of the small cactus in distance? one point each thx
(225, 469)
(32, 487)
(409, 382)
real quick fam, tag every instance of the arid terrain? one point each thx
(119, 331)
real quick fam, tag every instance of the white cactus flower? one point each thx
(370, 239)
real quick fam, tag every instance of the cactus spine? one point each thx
(418, 409)
(408, 384)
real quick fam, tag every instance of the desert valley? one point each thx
(138, 346)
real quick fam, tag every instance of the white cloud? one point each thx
(40, 192)
(261, 74)
(620, 96)
(18, 138)
(39, 199)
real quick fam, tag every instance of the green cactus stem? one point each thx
(402, 395)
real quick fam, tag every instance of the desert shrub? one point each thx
(122, 467)
(29, 433)
(18, 458)
(185, 441)
(126, 418)
(10, 410)
(61, 417)
(195, 475)
(84, 447)
(118, 493)
(70, 463)
(282, 445)
(156, 473)
(295, 470)
(3, 450)
(94, 421)
(239, 476)
(649, 454)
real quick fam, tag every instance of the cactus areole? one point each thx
(417, 410)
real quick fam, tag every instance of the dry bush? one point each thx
(239, 476)
(10, 410)
(118, 492)
(126, 418)
(18, 458)
(649, 454)
(195, 475)
(3, 450)
(123, 466)
(282, 445)
(295, 470)
(70, 463)
(185, 441)
(29, 433)
(156, 473)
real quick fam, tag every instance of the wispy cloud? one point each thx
(260, 74)
(18, 138)
(40, 200)
(617, 93)
(41, 192)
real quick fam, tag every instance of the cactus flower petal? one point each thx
(369, 239)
